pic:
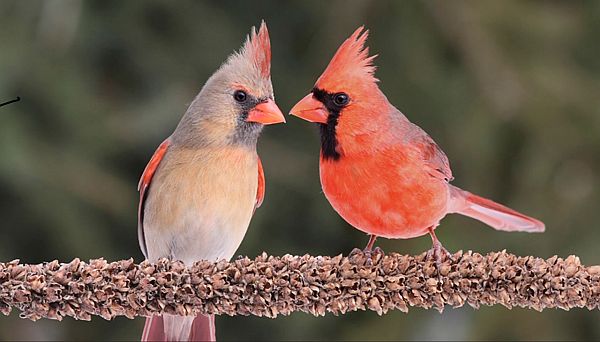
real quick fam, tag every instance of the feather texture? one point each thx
(491, 213)
(143, 186)
(380, 172)
(203, 184)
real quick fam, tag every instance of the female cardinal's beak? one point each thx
(266, 113)
(310, 109)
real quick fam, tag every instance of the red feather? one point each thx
(143, 186)
(258, 48)
(260, 191)
(351, 63)
(391, 179)
(493, 214)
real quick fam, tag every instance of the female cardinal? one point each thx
(201, 187)
(380, 172)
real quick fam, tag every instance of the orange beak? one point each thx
(310, 109)
(266, 113)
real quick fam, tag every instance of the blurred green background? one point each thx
(510, 90)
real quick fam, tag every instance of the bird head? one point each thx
(345, 99)
(237, 100)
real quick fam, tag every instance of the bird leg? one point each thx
(437, 249)
(368, 251)
(371, 243)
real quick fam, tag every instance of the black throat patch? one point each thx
(329, 142)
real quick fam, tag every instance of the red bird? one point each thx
(203, 184)
(380, 172)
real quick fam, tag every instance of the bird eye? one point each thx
(341, 99)
(240, 95)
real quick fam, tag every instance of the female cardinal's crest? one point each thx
(351, 60)
(258, 49)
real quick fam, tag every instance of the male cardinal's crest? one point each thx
(351, 63)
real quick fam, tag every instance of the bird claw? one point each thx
(436, 252)
(355, 252)
(368, 254)
(378, 250)
(377, 253)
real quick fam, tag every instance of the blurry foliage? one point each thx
(510, 90)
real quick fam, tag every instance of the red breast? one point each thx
(384, 192)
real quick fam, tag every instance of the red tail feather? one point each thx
(493, 214)
(203, 329)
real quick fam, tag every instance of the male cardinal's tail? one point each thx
(491, 213)
(177, 328)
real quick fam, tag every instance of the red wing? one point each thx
(260, 192)
(143, 186)
(432, 154)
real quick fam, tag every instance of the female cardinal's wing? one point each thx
(143, 187)
(260, 191)
(432, 154)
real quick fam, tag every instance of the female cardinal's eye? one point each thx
(240, 96)
(341, 99)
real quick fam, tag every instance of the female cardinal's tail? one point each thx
(177, 328)
(491, 213)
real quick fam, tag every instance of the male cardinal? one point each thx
(201, 187)
(380, 172)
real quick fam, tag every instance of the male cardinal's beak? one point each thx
(310, 109)
(266, 113)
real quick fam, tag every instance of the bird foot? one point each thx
(355, 252)
(436, 252)
(378, 251)
(371, 255)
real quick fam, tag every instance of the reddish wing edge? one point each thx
(260, 191)
(433, 155)
(143, 186)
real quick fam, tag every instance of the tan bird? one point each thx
(203, 184)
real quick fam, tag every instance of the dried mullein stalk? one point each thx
(271, 286)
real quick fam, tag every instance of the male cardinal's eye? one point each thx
(341, 99)
(240, 96)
